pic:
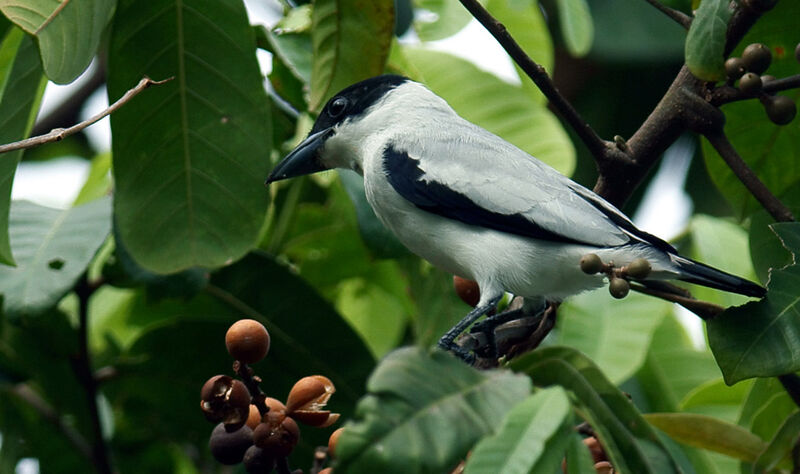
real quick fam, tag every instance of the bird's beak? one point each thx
(303, 159)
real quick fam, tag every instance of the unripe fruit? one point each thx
(734, 68)
(750, 83)
(591, 263)
(780, 109)
(256, 461)
(224, 399)
(334, 438)
(756, 57)
(619, 288)
(639, 268)
(228, 447)
(467, 290)
(247, 341)
(277, 440)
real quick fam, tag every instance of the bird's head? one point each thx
(316, 152)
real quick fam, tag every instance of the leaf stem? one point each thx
(678, 16)
(59, 134)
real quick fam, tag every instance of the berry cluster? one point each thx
(748, 70)
(253, 429)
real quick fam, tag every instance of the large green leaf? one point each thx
(765, 408)
(525, 22)
(716, 398)
(497, 106)
(423, 412)
(53, 248)
(762, 339)
(68, 31)
(190, 156)
(532, 437)
(772, 151)
(631, 444)
(576, 24)
(351, 40)
(438, 19)
(710, 433)
(780, 446)
(21, 85)
(705, 43)
(615, 335)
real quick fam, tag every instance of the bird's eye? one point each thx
(337, 107)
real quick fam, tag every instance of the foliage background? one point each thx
(137, 289)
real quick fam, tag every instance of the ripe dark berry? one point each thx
(756, 57)
(247, 341)
(467, 290)
(619, 288)
(228, 447)
(750, 83)
(780, 109)
(639, 268)
(256, 461)
(591, 264)
(277, 440)
(734, 68)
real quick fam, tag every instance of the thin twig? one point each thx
(252, 383)
(61, 133)
(539, 76)
(678, 16)
(726, 94)
(68, 111)
(703, 309)
(82, 366)
(25, 393)
(772, 204)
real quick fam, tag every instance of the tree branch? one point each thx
(68, 111)
(82, 366)
(678, 16)
(538, 75)
(25, 393)
(703, 309)
(772, 204)
(61, 133)
(726, 94)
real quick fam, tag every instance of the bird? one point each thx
(475, 205)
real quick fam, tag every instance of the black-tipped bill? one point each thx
(303, 159)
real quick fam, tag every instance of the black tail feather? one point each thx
(701, 274)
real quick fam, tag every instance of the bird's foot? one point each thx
(463, 354)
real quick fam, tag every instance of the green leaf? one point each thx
(503, 109)
(615, 335)
(525, 22)
(526, 437)
(762, 339)
(576, 24)
(630, 442)
(68, 31)
(98, 183)
(22, 85)
(715, 398)
(771, 151)
(705, 432)
(351, 41)
(765, 408)
(190, 156)
(579, 459)
(705, 42)
(53, 248)
(723, 245)
(423, 412)
(439, 19)
(780, 446)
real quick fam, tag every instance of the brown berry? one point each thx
(309, 392)
(619, 288)
(604, 467)
(467, 290)
(638, 268)
(224, 399)
(334, 438)
(254, 418)
(734, 68)
(228, 447)
(591, 263)
(750, 83)
(756, 57)
(327, 470)
(277, 440)
(256, 461)
(247, 341)
(598, 454)
(780, 109)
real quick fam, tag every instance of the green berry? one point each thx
(780, 109)
(619, 288)
(750, 83)
(734, 68)
(591, 264)
(639, 268)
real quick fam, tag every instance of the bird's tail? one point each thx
(701, 274)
